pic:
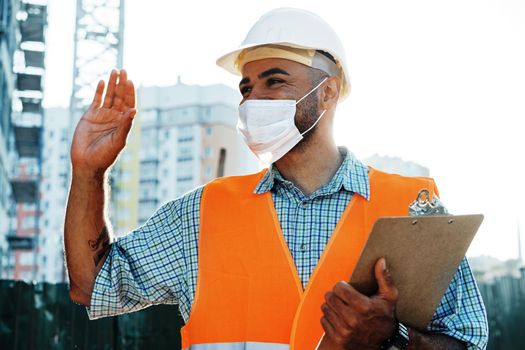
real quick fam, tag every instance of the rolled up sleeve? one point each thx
(143, 268)
(461, 313)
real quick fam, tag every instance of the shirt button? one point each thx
(302, 247)
(304, 204)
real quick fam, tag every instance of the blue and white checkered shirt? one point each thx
(157, 262)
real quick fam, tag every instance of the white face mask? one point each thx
(268, 126)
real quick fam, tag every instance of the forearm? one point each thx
(86, 233)
(433, 341)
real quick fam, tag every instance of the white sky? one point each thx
(438, 83)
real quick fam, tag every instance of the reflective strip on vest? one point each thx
(239, 346)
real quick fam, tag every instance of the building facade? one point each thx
(22, 49)
(54, 188)
(8, 43)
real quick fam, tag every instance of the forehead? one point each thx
(254, 68)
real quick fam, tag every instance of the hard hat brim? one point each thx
(229, 60)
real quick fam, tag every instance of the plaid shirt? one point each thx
(157, 262)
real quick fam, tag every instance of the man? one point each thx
(259, 261)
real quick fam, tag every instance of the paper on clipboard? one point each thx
(422, 254)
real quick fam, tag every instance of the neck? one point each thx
(311, 165)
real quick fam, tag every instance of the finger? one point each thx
(110, 93)
(328, 329)
(123, 76)
(98, 95)
(340, 328)
(349, 295)
(343, 310)
(118, 100)
(387, 290)
(125, 125)
(129, 94)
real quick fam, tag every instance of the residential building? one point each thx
(185, 136)
(26, 46)
(8, 43)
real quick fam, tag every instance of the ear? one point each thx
(330, 93)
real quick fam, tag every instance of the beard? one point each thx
(306, 115)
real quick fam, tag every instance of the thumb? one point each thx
(387, 290)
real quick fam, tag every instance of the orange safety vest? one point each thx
(249, 295)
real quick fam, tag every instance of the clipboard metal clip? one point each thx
(426, 206)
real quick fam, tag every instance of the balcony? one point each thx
(31, 105)
(27, 141)
(27, 128)
(20, 243)
(25, 190)
(28, 82)
(34, 58)
(32, 28)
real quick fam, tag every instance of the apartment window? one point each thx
(185, 178)
(209, 131)
(148, 170)
(208, 151)
(185, 138)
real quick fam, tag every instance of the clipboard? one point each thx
(422, 254)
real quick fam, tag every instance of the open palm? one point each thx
(101, 133)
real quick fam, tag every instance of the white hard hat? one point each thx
(296, 29)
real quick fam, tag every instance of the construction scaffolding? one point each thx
(27, 120)
(98, 49)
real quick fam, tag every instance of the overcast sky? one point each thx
(441, 83)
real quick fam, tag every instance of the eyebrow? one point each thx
(265, 74)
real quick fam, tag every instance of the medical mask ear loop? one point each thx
(315, 88)
(317, 121)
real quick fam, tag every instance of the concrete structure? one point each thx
(53, 191)
(23, 32)
(396, 165)
(8, 43)
(187, 137)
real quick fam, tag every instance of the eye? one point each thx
(245, 89)
(273, 81)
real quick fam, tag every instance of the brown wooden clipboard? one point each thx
(422, 253)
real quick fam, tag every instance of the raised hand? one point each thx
(101, 133)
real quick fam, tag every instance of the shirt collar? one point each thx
(352, 175)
